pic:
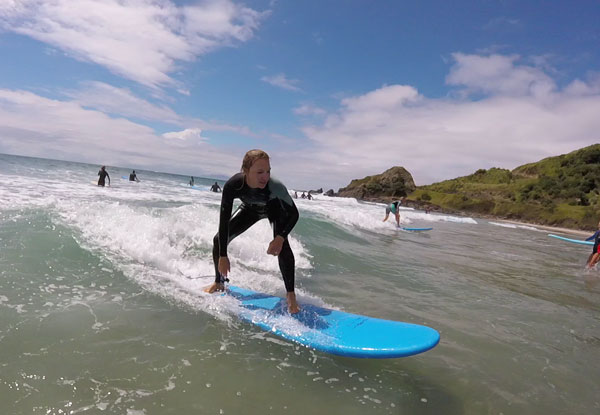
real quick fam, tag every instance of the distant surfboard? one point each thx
(575, 241)
(193, 187)
(415, 229)
(333, 331)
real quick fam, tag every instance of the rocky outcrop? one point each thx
(395, 182)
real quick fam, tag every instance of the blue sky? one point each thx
(332, 90)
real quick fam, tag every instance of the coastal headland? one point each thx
(560, 192)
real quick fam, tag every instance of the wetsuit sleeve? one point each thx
(227, 196)
(281, 195)
(593, 236)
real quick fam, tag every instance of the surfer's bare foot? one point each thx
(293, 306)
(214, 288)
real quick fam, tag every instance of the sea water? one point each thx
(102, 309)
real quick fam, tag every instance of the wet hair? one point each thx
(251, 157)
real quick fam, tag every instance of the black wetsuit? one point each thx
(103, 175)
(132, 177)
(272, 202)
(215, 188)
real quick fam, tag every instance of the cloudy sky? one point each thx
(332, 90)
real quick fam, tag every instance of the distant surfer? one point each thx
(262, 197)
(215, 188)
(394, 208)
(595, 255)
(191, 180)
(103, 174)
(133, 177)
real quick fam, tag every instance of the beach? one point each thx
(102, 308)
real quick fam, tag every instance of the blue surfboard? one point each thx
(415, 229)
(575, 241)
(334, 331)
(193, 187)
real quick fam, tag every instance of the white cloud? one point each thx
(308, 109)
(385, 98)
(503, 23)
(517, 115)
(37, 126)
(121, 101)
(189, 134)
(498, 74)
(124, 103)
(281, 81)
(137, 39)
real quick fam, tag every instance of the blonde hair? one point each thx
(251, 157)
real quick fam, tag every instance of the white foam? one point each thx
(353, 214)
(514, 226)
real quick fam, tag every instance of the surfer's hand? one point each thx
(214, 287)
(275, 245)
(224, 266)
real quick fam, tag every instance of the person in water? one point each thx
(133, 177)
(103, 174)
(215, 188)
(595, 255)
(262, 197)
(191, 180)
(393, 207)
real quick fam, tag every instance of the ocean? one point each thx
(102, 309)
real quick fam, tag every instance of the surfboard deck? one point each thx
(402, 228)
(575, 241)
(334, 331)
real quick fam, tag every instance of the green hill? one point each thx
(558, 191)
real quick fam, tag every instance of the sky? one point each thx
(333, 90)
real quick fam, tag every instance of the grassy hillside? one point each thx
(559, 191)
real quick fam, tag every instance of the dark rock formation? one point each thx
(395, 182)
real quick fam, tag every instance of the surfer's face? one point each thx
(258, 174)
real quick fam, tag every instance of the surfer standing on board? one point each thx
(262, 197)
(393, 207)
